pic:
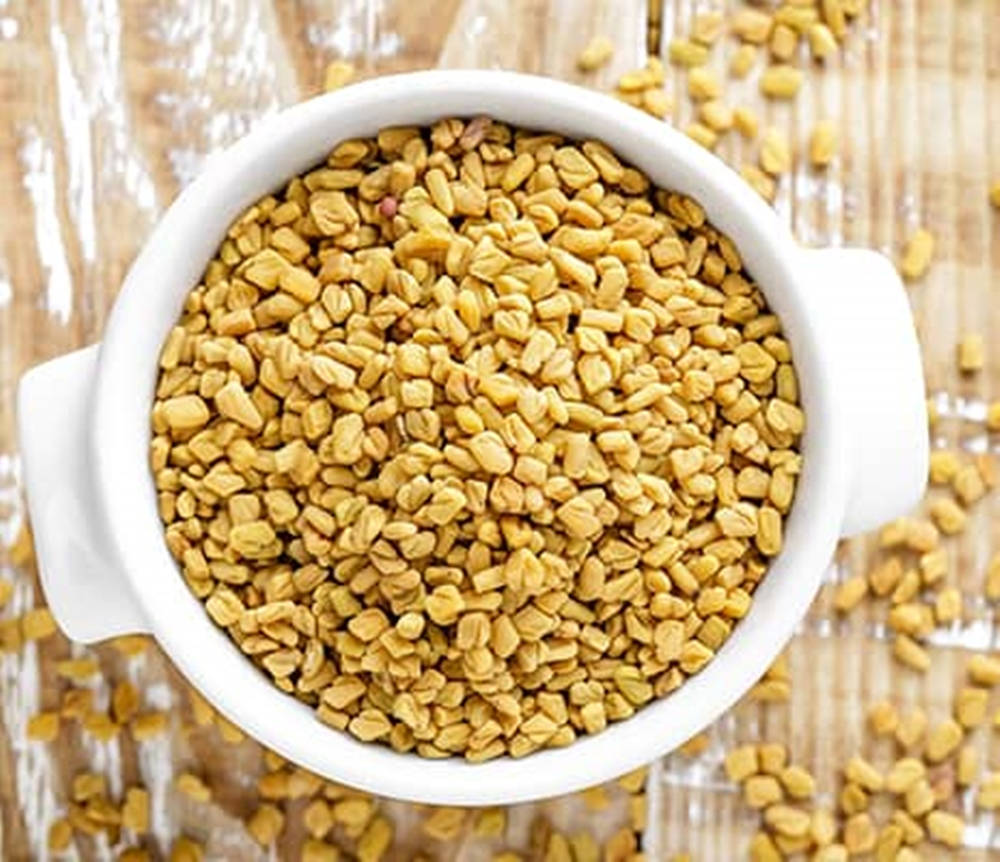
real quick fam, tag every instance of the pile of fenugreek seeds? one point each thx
(474, 440)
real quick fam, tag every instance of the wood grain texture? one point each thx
(109, 107)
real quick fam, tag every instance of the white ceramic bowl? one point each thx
(84, 424)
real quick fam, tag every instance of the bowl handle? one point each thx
(86, 589)
(862, 308)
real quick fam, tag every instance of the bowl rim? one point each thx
(170, 263)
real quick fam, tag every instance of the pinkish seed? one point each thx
(388, 206)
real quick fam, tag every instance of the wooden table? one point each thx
(109, 108)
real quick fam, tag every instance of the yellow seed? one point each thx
(910, 653)
(775, 155)
(43, 727)
(742, 60)
(988, 794)
(788, 821)
(339, 73)
(772, 756)
(37, 624)
(883, 717)
(821, 41)
(784, 41)
(949, 517)
(911, 727)
(745, 121)
(741, 763)
(759, 791)
(943, 739)
(984, 670)
(596, 54)
(193, 787)
(702, 134)
(945, 828)
(780, 81)
(850, 593)
(760, 181)
(948, 606)
(751, 25)
(798, 782)
(265, 824)
(971, 352)
(862, 773)
(995, 194)
(683, 52)
(859, 834)
(904, 773)
(917, 254)
(822, 144)
(967, 769)
(763, 849)
(135, 810)
(970, 706)
(185, 413)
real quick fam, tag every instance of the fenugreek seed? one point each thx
(943, 740)
(186, 849)
(917, 254)
(751, 25)
(759, 791)
(859, 834)
(775, 155)
(185, 413)
(683, 52)
(862, 773)
(967, 768)
(850, 593)
(772, 756)
(596, 54)
(798, 782)
(193, 787)
(761, 182)
(822, 143)
(265, 824)
(904, 773)
(38, 624)
(702, 84)
(988, 793)
(821, 41)
(883, 717)
(135, 810)
(43, 727)
(741, 61)
(780, 81)
(233, 402)
(338, 74)
(949, 517)
(910, 653)
(911, 727)
(741, 763)
(971, 352)
(786, 820)
(945, 828)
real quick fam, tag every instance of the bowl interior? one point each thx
(172, 263)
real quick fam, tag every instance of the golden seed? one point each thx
(339, 73)
(596, 54)
(971, 352)
(780, 81)
(741, 763)
(945, 828)
(917, 254)
(943, 740)
(822, 144)
(759, 791)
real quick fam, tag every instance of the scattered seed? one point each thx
(596, 54)
(917, 254)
